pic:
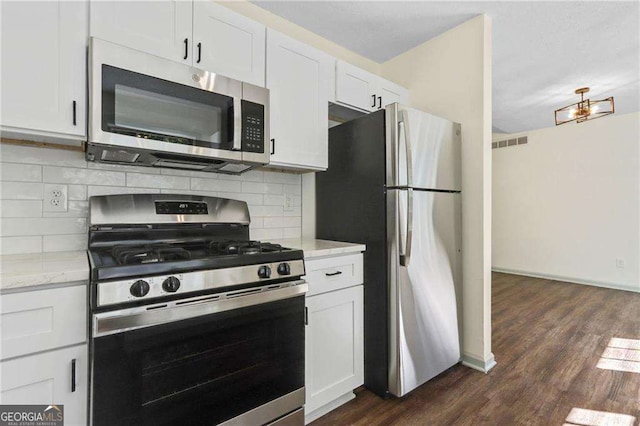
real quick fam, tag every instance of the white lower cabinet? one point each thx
(56, 377)
(334, 349)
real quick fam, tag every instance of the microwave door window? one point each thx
(147, 107)
(152, 113)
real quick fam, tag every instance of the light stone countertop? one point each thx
(35, 269)
(320, 248)
(27, 270)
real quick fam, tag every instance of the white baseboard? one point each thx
(568, 279)
(321, 411)
(478, 364)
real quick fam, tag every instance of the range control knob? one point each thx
(264, 272)
(171, 285)
(284, 269)
(139, 289)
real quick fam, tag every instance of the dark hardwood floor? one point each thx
(548, 337)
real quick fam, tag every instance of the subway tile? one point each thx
(253, 176)
(297, 211)
(256, 223)
(282, 177)
(297, 200)
(291, 222)
(44, 156)
(251, 199)
(262, 188)
(110, 190)
(64, 242)
(20, 245)
(21, 172)
(273, 200)
(43, 226)
(21, 190)
(77, 192)
(265, 211)
(123, 168)
(74, 209)
(291, 232)
(21, 208)
(83, 176)
(273, 222)
(216, 185)
(157, 181)
(266, 234)
(292, 189)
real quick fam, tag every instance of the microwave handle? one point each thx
(237, 123)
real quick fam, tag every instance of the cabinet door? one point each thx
(334, 362)
(159, 27)
(356, 87)
(228, 43)
(46, 378)
(390, 92)
(298, 79)
(43, 66)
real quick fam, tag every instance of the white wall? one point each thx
(26, 228)
(566, 205)
(450, 76)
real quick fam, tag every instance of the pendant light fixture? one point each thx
(584, 110)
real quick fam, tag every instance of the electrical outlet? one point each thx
(55, 198)
(288, 202)
(620, 263)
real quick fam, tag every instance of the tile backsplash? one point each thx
(25, 170)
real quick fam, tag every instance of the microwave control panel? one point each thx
(252, 127)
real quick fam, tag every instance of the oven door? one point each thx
(144, 102)
(241, 356)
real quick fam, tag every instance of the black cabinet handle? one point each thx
(306, 316)
(199, 52)
(273, 146)
(333, 274)
(75, 122)
(186, 48)
(374, 101)
(73, 375)
(379, 102)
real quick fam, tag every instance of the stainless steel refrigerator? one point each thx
(393, 183)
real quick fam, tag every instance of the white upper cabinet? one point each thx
(228, 43)
(363, 90)
(355, 87)
(43, 66)
(161, 27)
(298, 77)
(390, 92)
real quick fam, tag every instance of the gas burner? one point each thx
(242, 247)
(127, 255)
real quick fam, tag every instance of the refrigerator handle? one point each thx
(405, 257)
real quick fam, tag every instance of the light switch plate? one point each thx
(55, 198)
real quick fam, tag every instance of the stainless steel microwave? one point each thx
(150, 111)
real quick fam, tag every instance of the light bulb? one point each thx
(572, 113)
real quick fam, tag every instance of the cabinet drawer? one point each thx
(333, 273)
(39, 320)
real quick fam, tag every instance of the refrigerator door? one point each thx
(423, 283)
(425, 150)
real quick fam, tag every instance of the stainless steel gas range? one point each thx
(191, 322)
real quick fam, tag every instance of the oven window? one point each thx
(151, 108)
(200, 371)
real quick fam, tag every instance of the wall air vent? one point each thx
(509, 142)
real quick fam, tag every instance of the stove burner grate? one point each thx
(242, 247)
(127, 255)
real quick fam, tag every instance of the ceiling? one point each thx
(542, 51)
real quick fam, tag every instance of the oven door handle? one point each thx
(114, 322)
